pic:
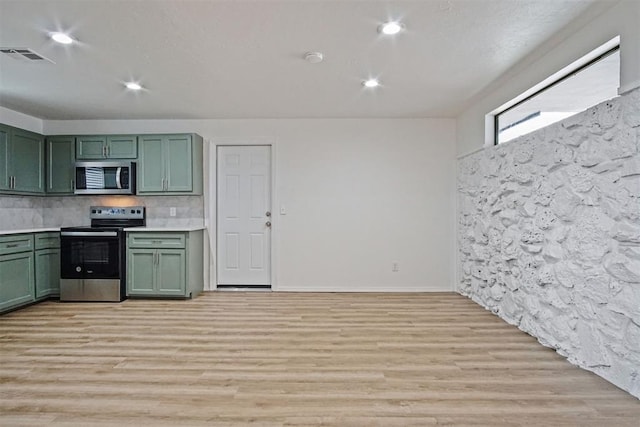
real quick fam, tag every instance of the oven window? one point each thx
(85, 257)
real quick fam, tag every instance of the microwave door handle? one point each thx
(118, 171)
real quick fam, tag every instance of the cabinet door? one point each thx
(27, 161)
(179, 163)
(91, 147)
(4, 157)
(122, 147)
(171, 277)
(60, 162)
(151, 165)
(16, 279)
(47, 272)
(141, 271)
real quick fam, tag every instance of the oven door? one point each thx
(90, 255)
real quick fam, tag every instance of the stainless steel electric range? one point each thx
(93, 259)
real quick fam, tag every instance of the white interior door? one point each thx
(244, 215)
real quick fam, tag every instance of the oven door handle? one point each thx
(118, 183)
(89, 233)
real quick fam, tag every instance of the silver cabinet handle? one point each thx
(268, 213)
(118, 173)
(268, 223)
(89, 233)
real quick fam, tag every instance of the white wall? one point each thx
(360, 194)
(573, 42)
(20, 120)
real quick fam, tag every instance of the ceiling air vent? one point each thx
(24, 54)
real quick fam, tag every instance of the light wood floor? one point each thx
(290, 359)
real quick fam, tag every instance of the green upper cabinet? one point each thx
(122, 147)
(21, 161)
(151, 165)
(60, 164)
(170, 164)
(91, 147)
(5, 178)
(28, 161)
(106, 147)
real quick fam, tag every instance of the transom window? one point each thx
(579, 88)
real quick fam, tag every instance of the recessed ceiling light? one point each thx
(61, 38)
(390, 28)
(371, 83)
(133, 86)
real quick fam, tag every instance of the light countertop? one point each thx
(165, 228)
(140, 229)
(27, 230)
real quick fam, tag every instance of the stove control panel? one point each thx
(113, 212)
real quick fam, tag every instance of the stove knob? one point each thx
(78, 269)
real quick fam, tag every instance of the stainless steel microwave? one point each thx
(113, 177)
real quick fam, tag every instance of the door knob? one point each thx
(268, 213)
(268, 223)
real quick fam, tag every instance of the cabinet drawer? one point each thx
(16, 243)
(157, 240)
(47, 240)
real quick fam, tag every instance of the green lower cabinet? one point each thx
(157, 272)
(141, 272)
(29, 268)
(171, 278)
(16, 279)
(47, 272)
(166, 264)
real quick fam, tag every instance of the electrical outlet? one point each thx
(172, 211)
(395, 266)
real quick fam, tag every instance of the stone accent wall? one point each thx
(549, 236)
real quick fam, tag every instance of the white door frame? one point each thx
(213, 201)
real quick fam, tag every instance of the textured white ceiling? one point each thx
(243, 59)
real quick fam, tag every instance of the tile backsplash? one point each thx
(24, 212)
(20, 212)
